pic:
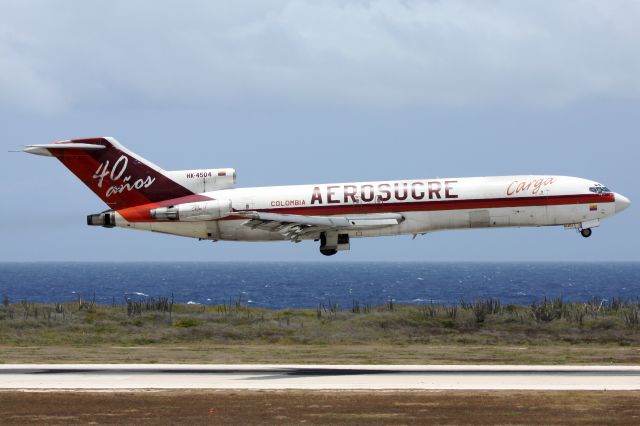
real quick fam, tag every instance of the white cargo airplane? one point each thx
(202, 203)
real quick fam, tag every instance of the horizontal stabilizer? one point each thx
(43, 149)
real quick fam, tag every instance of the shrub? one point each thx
(632, 317)
(483, 307)
(547, 310)
(185, 322)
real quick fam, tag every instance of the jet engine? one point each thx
(106, 218)
(204, 180)
(192, 212)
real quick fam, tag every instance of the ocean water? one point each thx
(293, 285)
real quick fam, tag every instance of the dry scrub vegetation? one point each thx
(158, 321)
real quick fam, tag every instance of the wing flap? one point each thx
(295, 226)
(299, 219)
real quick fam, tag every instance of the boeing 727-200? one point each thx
(204, 204)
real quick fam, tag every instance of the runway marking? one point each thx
(380, 377)
(312, 372)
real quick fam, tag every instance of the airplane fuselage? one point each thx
(204, 204)
(425, 205)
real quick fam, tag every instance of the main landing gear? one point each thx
(328, 252)
(586, 232)
(332, 242)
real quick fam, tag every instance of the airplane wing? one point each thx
(295, 226)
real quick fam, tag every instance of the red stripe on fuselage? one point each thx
(141, 213)
(443, 205)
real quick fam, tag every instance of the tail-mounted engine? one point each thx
(106, 218)
(192, 212)
(204, 180)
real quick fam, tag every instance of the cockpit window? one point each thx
(599, 189)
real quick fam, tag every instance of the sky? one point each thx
(291, 92)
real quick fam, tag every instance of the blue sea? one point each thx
(296, 285)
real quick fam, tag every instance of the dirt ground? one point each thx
(320, 407)
(325, 354)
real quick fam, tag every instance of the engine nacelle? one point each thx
(204, 180)
(106, 219)
(193, 212)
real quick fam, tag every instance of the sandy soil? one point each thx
(320, 407)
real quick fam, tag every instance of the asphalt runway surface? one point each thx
(327, 377)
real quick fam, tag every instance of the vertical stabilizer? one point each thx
(118, 176)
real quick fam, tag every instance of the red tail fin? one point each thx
(118, 176)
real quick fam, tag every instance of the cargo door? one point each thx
(479, 219)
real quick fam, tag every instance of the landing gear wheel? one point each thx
(328, 252)
(585, 232)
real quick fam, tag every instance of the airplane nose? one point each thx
(622, 202)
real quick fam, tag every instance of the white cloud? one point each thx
(377, 53)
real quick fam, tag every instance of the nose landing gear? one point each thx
(586, 232)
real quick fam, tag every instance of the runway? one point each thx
(121, 377)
